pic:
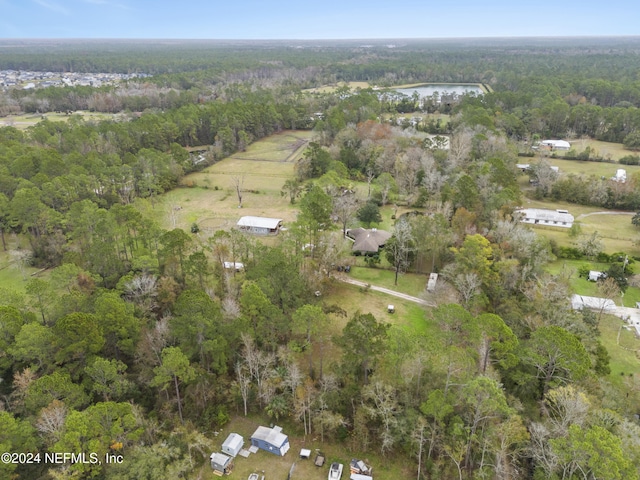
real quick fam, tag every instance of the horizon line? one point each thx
(494, 37)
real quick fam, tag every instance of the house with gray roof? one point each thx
(367, 241)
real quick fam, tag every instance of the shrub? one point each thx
(570, 253)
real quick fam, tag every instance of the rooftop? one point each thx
(259, 222)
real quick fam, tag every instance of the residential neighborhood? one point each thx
(30, 79)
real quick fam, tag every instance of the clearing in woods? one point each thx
(209, 198)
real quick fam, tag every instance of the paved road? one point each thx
(404, 296)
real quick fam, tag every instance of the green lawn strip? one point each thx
(602, 149)
(624, 359)
(409, 283)
(582, 286)
(617, 232)
(276, 467)
(582, 167)
(352, 299)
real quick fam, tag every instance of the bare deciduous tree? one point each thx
(243, 381)
(345, 208)
(468, 285)
(50, 422)
(384, 406)
(142, 290)
(238, 184)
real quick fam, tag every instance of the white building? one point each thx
(260, 225)
(542, 216)
(620, 176)
(233, 444)
(554, 145)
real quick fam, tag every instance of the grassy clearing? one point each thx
(624, 357)
(615, 228)
(333, 87)
(208, 198)
(275, 467)
(598, 169)
(27, 120)
(409, 283)
(408, 315)
(582, 286)
(11, 276)
(606, 150)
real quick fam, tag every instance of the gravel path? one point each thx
(604, 213)
(404, 296)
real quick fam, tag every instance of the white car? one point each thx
(335, 471)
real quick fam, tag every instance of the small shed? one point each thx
(221, 463)
(237, 266)
(621, 176)
(233, 444)
(594, 275)
(271, 440)
(431, 283)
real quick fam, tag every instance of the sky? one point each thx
(319, 19)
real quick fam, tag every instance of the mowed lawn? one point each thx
(598, 169)
(209, 198)
(24, 121)
(606, 150)
(615, 228)
(274, 467)
(623, 347)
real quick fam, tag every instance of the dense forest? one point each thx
(138, 340)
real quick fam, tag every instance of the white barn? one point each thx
(555, 144)
(542, 216)
(260, 225)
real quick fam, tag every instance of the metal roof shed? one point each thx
(233, 444)
(221, 463)
(260, 225)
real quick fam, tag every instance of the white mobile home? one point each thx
(541, 216)
(271, 440)
(260, 225)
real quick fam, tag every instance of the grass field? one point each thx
(598, 169)
(208, 198)
(26, 120)
(615, 228)
(410, 283)
(334, 87)
(278, 468)
(605, 150)
(622, 350)
(582, 286)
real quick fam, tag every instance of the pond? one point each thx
(427, 90)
